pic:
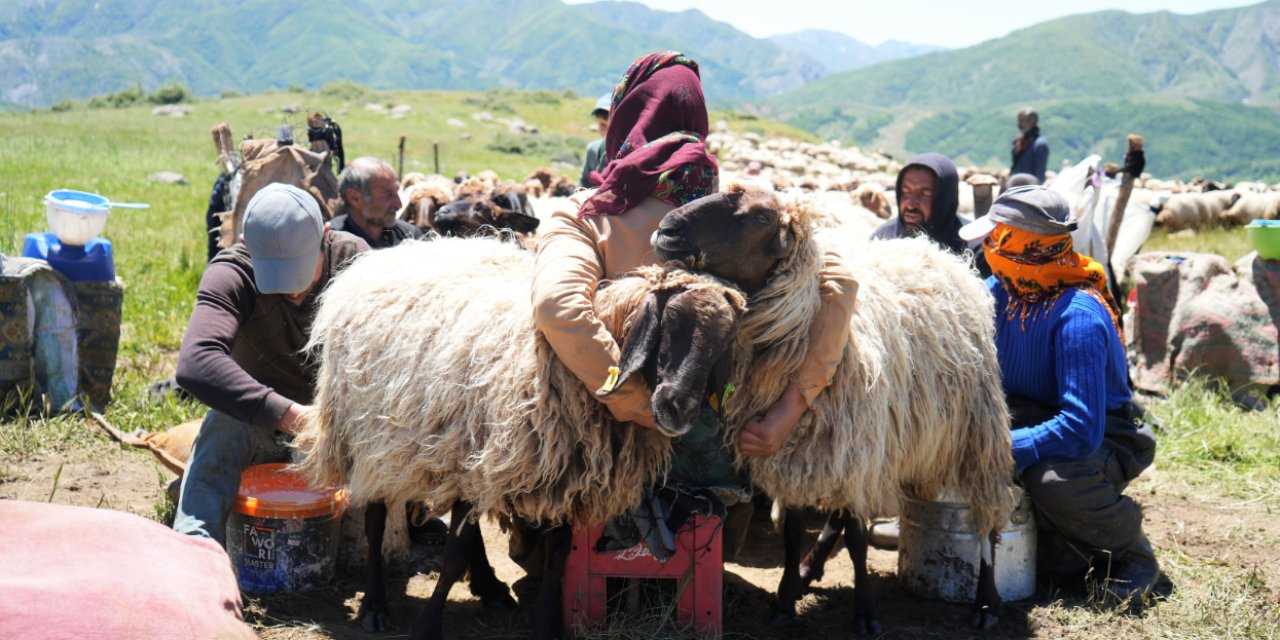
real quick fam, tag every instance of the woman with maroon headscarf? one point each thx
(657, 160)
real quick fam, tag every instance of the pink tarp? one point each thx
(76, 572)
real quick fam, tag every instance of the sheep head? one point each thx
(678, 337)
(739, 235)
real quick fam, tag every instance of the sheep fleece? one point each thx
(435, 386)
(916, 406)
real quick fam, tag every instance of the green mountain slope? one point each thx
(77, 48)
(1203, 88)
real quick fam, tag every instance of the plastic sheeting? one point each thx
(50, 328)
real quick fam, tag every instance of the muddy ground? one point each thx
(1179, 522)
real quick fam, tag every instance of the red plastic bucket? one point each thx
(282, 535)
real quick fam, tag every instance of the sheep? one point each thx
(915, 406)
(505, 206)
(1194, 210)
(422, 197)
(435, 387)
(1250, 207)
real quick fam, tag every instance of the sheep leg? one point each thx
(548, 620)
(463, 536)
(791, 587)
(813, 565)
(866, 618)
(986, 608)
(373, 606)
(493, 593)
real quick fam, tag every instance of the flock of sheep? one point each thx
(430, 363)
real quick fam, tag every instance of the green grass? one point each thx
(1216, 445)
(1230, 243)
(160, 252)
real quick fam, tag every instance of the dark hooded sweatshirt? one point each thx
(943, 225)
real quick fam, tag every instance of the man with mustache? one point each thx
(928, 194)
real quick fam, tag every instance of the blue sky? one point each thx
(949, 24)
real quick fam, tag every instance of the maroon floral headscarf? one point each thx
(655, 144)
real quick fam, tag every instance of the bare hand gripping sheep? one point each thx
(434, 386)
(915, 407)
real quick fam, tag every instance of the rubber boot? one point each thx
(1133, 573)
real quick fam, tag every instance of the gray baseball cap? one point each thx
(1030, 208)
(283, 230)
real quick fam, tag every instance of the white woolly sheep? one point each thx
(915, 407)
(435, 387)
(1250, 207)
(1194, 210)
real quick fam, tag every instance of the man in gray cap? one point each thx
(1078, 436)
(594, 159)
(242, 353)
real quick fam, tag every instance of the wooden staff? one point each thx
(400, 169)
(982, 185)
(1134, 162)
(435, 155)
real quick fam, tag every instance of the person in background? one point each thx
(1078, 435)
(928, 194)
(594, 158)
(370, 194)
(1030, 149)
(242, 353)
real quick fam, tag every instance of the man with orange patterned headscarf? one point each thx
(1078, 437)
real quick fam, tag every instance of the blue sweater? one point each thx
(1070, 358)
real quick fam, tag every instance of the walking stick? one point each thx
(1134, 163)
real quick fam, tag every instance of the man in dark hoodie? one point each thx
(928, 193)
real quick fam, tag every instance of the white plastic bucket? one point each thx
(76, 217)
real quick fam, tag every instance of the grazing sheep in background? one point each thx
(1250, 207)
(915, 407)
(534, 188)
(871, 197)
(434, 386)
(423, 196)
(1194, 210)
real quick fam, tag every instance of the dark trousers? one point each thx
(1082, 499)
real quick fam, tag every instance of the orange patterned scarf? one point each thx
(1034, 268)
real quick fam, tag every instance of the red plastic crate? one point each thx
(696, 564)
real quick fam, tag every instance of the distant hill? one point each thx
(1205, 85)
(71, 49)
(839, 52)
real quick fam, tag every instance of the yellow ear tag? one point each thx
(611, 382)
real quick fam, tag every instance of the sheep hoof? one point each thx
(984, 619)
(779, 618)
(868, 627)
(373, 617)
(503, 603)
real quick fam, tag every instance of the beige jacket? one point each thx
(575, 254)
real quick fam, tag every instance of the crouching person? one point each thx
(1078, 436)
(242, 353)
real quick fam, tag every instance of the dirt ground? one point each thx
(1178, 522)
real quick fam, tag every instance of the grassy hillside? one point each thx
(77, 48)
(160, 251)
(1185, 138)
(1204, 90)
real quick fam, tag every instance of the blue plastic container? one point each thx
(92, 262)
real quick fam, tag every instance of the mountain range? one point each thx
(72, 49)
(1203, 88)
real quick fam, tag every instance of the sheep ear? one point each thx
(518, 222)
(781, 245)
(641, 342)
